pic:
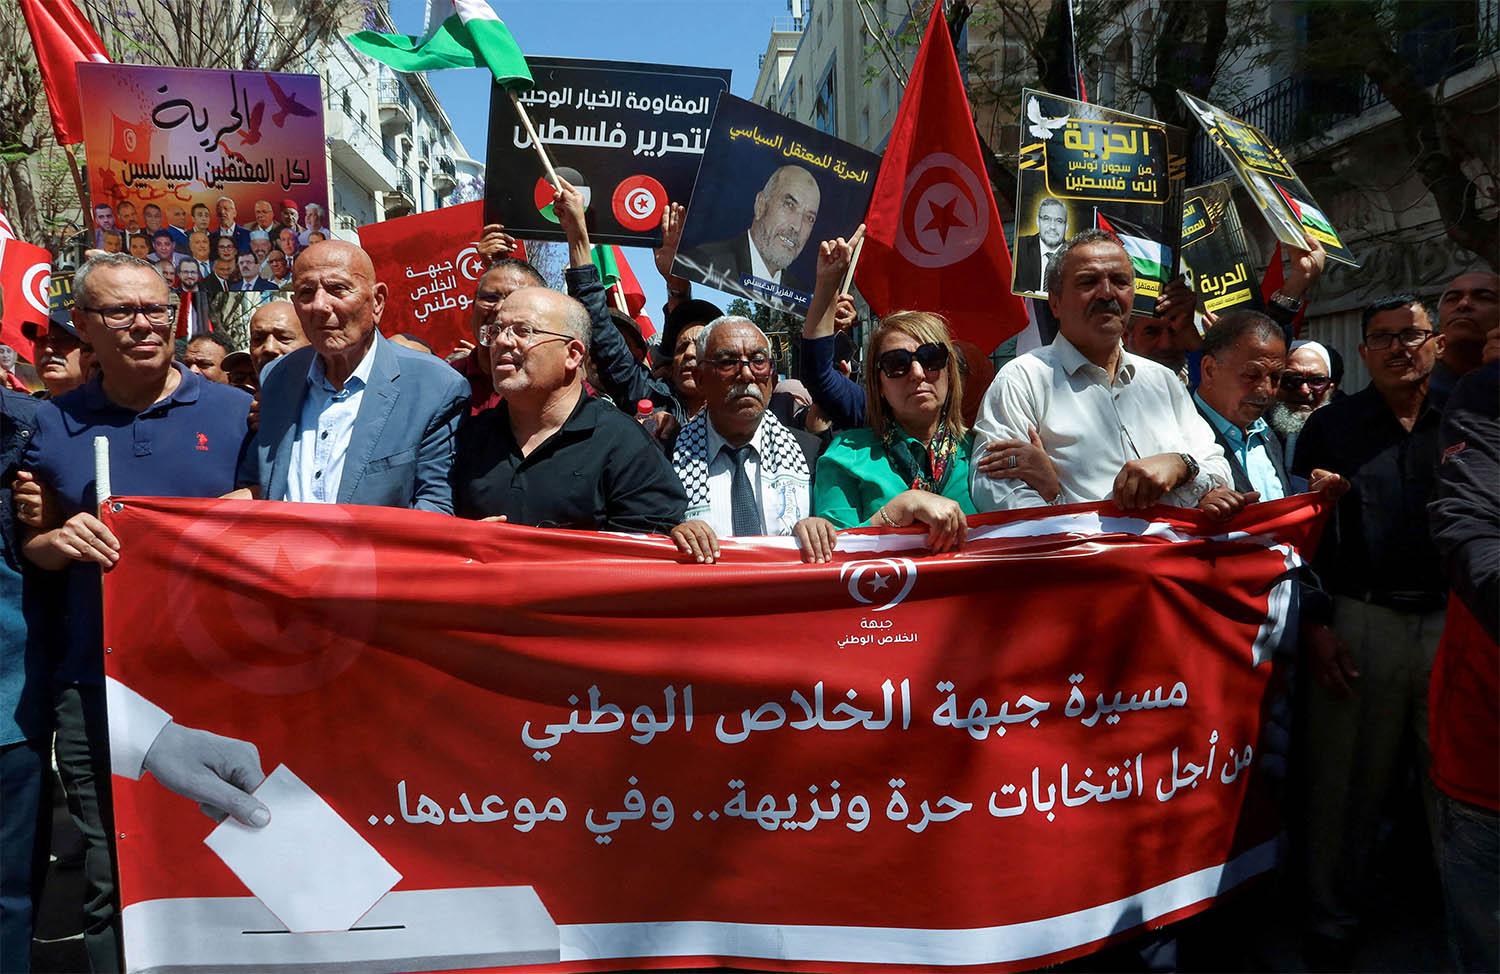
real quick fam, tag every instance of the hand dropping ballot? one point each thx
(308, 866)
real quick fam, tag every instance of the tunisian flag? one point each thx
(62, 38)
(25, 274)
(933, 239)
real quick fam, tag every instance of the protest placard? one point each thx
(1215, 254)
(1276, 189)
(628, 135)
(501, 722)
(1086, 166)
(768, 191)
(430, 266)
(166, 147)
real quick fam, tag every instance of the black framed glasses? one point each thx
(729, 366)
(1292, 381)
(1408, 337)
(118, 317)
(933, 357)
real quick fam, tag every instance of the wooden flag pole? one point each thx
(618, 297)
(540, 150)
(859, 243)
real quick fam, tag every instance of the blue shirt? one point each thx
(324, 431)
(186, 445)
(1249, 448)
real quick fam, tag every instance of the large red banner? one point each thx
(531, 747)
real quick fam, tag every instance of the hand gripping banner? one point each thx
(484, 745)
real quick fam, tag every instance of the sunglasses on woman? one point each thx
(897, 362)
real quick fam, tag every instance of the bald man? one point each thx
(786, 210)
(352, 418)
(551, 455)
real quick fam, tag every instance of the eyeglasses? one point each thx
(121, 316)
(1292, 381)
(897, 362)
(729, 366)
(523, 333)
(1408, 337)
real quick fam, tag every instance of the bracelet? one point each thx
(886, 517)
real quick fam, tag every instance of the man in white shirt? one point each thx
(1114, 425)
(744, 472)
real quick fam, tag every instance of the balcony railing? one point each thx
(1300, 107)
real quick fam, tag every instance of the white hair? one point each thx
(706, 335)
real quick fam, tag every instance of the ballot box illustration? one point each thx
(324, 901)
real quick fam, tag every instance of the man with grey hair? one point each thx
(550, 455)
(171, 434)
(784, 214)
(1115, 426)
(313, 214)
(744, 472)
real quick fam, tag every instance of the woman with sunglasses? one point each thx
(911, 464)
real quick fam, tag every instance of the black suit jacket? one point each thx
(731, 259)
(1028, 261)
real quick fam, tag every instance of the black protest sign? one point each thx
(630, 136)
(1215, 253)
(1085, 166)
(769, 190)
(1280, 195)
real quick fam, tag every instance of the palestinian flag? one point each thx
(1152, 259)
(459, 34)
(1311, 218)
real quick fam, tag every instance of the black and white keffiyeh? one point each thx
(780, 454)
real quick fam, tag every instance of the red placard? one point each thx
(996, 759)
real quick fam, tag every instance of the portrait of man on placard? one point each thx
(782, 220)
(1033, 251)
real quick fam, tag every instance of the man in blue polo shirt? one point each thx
(171, 434)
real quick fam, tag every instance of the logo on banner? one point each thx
(36, 286)
(470, 264)
(887, 580)
(638, 202)
(944, 213)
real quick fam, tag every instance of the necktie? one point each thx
(745, 513)
(1047, 269)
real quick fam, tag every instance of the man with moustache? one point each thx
(1306, 385)
(353, 419)
(62, 358)
(786, 210)
(1368, 703)
(275, 330)
(1036, 252)
(1113, 424)
(171, 434)
(550, 455)
(744, 472)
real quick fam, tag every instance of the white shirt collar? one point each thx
(713, 442)
(758, 267)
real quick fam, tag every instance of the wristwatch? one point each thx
(1192, 467)
(1286, 302)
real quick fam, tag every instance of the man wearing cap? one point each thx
(1306, 385)
(626, 379)
(61, 357)
(291, 217)
(550, 455)
(171, 434)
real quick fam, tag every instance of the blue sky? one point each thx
(706, 33)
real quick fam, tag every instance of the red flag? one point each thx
(431, 267)
(25, 274)
(933, 239)
(130, 142)
(635, 296)
(1272, 282)
(62, 38)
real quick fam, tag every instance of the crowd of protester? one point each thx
(560, 416)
